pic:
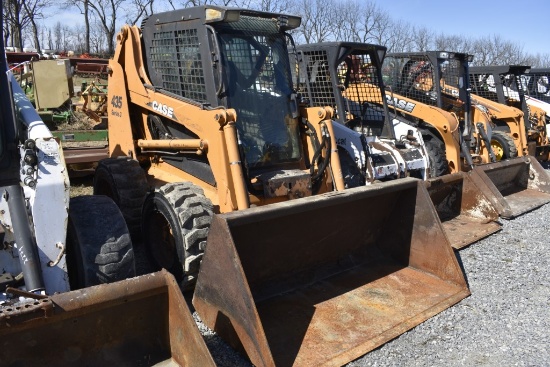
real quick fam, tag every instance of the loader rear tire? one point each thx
(124, 181)
(439, 165)
(98, 246)
(175, 223)
(503, 145)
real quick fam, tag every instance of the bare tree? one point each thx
(375, 23)
(398, 37)
(274, 6)
(422, 38)
(317, 24)
(34, 10)
(84, 7)
(15, 19)
(97, 39)
(348, 14)
(139, 9)
(106, 12)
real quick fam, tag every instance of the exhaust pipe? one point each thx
(325, 279)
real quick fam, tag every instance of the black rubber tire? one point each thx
(439, 165)
(98, 245)
(350, 171)
(175, 223)
(503, 145)
(124, 181)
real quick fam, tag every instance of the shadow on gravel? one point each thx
(461, 264)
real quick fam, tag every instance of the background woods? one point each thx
(93, 25)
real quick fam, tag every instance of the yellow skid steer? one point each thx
(441, 79)
(211, 150)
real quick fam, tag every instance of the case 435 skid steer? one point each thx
(57, 253)
(428, 86)
(347, 76)
(228, 172)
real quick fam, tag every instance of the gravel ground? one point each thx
(505, 322)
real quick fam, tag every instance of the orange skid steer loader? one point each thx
(516, 183)
(503, 84)
(211, 151)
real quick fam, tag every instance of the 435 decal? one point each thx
(116, 101)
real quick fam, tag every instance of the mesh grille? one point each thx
(176, 58)
(537, 85)
(417, 78)
(485, 85)
(357, 91)
(320, 84)
(412, 78)
(362, 95)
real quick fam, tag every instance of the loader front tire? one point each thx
(439, 165)
(503, 145)
(98, 245)
(175, 223)
(124, 181)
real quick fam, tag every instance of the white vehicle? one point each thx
(51, 244)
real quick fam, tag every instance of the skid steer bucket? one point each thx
(466, 213)
(142, 321)
(323, 280)
(515, 186)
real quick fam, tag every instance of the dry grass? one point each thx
(81, 186)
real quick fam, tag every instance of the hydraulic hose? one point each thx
(26, 244)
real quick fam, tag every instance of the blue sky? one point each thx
(526, 22)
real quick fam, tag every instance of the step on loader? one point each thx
(347, 77)
(204, 125)
(502, 84)
(440, 79)
(57, 256)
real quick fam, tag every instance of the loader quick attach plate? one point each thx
(322, 280)
(143, 321)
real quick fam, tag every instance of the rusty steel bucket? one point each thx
(320, 281)
(465, 211)
(142, 321)
(514, 186)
